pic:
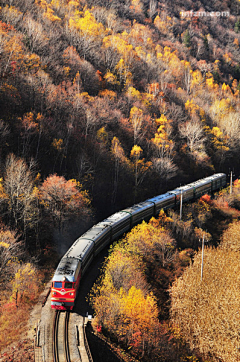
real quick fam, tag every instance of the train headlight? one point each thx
(54, 293)
(71, 293)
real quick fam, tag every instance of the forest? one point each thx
(104, 104)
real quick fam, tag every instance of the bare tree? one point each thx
(152, 8)
(230, 124)
(194, 134)
(165, 167)
(36, 36)
(136, 118)
(19, 189)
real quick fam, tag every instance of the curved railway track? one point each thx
(61, 351)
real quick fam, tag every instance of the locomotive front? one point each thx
(65, 284)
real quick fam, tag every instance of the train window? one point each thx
(57, 284)
(68, 285)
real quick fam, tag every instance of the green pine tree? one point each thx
(187, 39)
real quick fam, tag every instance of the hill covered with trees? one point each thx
(123, 96)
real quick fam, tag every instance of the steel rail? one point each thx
(55, 336)
(66, 342)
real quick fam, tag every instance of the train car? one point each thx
(100, 235)
(164, 202)
(186, 191)
(218, 181)
(209, 184)
(139, 212)
(120, 222)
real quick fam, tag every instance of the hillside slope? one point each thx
(129, 97)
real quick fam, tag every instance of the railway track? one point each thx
(61, 350)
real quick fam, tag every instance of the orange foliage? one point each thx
(206, 199)
(63, 199)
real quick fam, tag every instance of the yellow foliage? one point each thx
(161, 140)
(210, 82)
(163, 23)
(140, 52)
(197, 78)
(171, 61)
(221, 108)
(136, 152)
(227, 58)
(108, 93)
(123, 71)
(162, 120)
(236, 42)
(191, 107)
(24, 281)
(66, 71)
(58, 144)
(136, 309)
(3, 195)
(217, 138)
(118, 152)
(111, 78)
(135, 112)
(102, 135)
(86, 23)
(4, 245)
(226, 88)
(32, 62)
(49, 14)
(134, 93)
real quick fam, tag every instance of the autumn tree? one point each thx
(24, 286)
(140, 167)
(163, 147)
(63, 199)
(10, 249)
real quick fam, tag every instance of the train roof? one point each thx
(180, 189)
(96, 231)
(214, 176)
(202, 181)
(162, 197)
(80, 248)
(141, 206)
(116, 218)
(66, 269)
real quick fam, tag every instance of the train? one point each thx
(76, 261)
